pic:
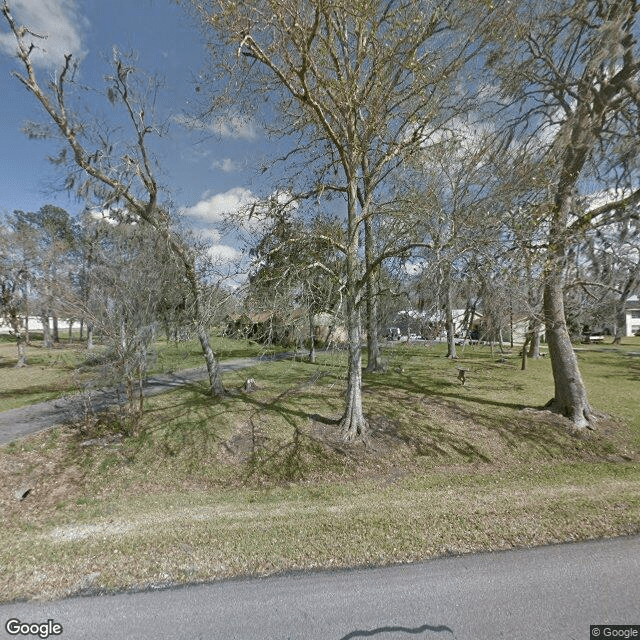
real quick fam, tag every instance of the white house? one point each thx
(632, 313)
(35, 324)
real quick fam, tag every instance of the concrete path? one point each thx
(17, 423)
(548, 593)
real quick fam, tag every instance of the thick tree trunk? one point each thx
(90, 336)
(56, 332)
(46, 332)
(570, 397)
(216, 388)
(353, 423)
(534, 342)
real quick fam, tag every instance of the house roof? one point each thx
(632, 303)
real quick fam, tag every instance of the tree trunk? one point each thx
(56, 333)
(353, 423)
(523, 366)
(46, 332)
(312, 339)
(374, 361)
(27, 337)
(89, 336)
(570, 397)
(21, 345)
(534, 342)
(620, 328)
(216, 388)
(451, 330)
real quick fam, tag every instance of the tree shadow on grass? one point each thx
(193, 422)
(430, 441)
(308, 441)
(441, 388)
(52, 389)
(536, 430)
(299, 453)
(634, 369)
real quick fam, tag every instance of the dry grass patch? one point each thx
(261, 482)
(138, 541)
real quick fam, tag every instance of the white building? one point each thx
(632, 313)
(35, 324)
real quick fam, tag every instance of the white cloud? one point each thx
(231, 125)
(235, 126)
(210, 235)
(58, 20)
(227, 165)
(464, 137)
(212, 209)
(224, 254)
(413, 267)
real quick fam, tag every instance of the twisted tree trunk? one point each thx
(570, 397)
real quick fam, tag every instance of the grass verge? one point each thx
(261, 482)
(68, 367)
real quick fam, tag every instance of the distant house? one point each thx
(632, 313)
(288, 328)
(520, 329)
(35, 324)
(432, 325)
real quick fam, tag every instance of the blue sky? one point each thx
(208, 173)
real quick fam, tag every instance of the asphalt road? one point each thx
(17, 423)
(549, 593)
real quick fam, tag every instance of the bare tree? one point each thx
(359, 85)
(13, 277)
(49, 234)
(447, 193)
(131, 271)
(611, 273)
(118, 175)
(571, 69)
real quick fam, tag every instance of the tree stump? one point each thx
(462, 375)
(249, 385)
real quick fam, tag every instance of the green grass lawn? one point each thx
(68, 367)
(261, 482)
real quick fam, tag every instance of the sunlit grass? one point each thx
(261, 482)
(68, 367)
